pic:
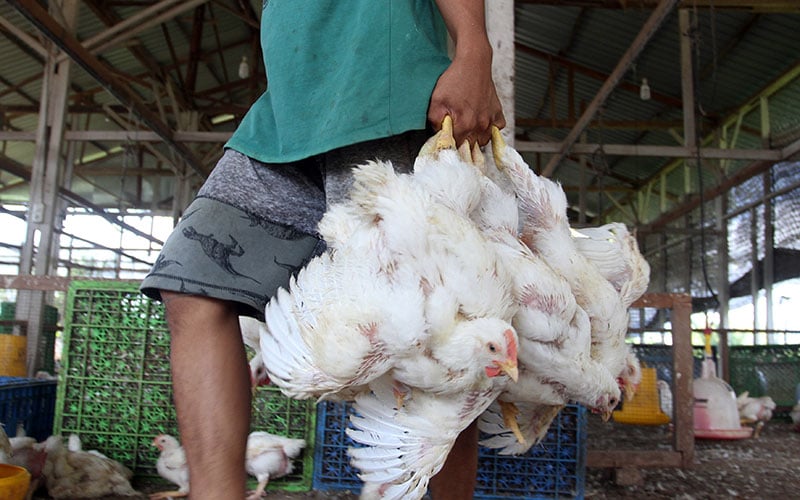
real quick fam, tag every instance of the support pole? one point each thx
(500, 27)
(46, 178)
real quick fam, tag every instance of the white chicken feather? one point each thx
(545, 229)
(269, 456)
(405, 446)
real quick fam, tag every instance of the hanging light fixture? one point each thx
(644, 90)
(244, 68)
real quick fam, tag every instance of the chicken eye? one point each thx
(492, 348)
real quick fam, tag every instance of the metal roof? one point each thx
(181, 60)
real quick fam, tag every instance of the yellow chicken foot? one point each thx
(465, 153)
(510, 412)
(400, 392)
(168, 494)
(258, 492)
(498, 147)
(444, 138)
(477, 158)
(441, 140)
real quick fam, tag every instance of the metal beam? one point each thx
(597, 75)
(23, 37)
(648, 30)
(132, 26)
(521, 146)
(774, 6)
(49, 27)
(22, 172)
(654, 151)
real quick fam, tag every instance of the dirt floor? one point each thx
(767, 467)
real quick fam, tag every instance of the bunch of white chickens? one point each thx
(268, 456)
(455, 293)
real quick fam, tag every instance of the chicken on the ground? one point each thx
(80, 474)
(172, 466)
(270, 456)
(755, 411)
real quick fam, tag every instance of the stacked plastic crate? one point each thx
(116, 390)
(555, 468)
(28, 405)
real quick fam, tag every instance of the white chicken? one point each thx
(408, 313)
(74, 444)
(545, 229)
(251, 334)
(268, 457)
(5, 446)
(172, 466)
(602, 275)
(80, 474)
(795, 416)
(755, 411)
(24, 451)
(665, 397)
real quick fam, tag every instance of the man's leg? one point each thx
(212, 395)
(456, 480)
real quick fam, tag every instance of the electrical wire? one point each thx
(695, 40)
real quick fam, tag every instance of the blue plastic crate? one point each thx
(555, 468)
(29, 402)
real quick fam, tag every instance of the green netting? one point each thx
(768, 370)
(115, 389)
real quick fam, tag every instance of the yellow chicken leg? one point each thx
(498, 147)
(443, 139)
(510, 412)
(168, 494)
(259, 491)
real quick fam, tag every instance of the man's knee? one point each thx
(184, 309)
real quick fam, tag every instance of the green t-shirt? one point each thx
(341, 72)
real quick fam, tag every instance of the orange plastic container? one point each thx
(14, 482)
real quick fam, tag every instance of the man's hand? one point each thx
(465, 90)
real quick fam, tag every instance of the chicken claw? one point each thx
(510, 412)
(498, 147)
(444, 138)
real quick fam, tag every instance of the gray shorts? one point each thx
(253, 225)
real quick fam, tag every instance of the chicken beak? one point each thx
(606, 414)
(509, 367)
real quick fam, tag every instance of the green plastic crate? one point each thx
(115, 388)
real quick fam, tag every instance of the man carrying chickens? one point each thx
(348, 82)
